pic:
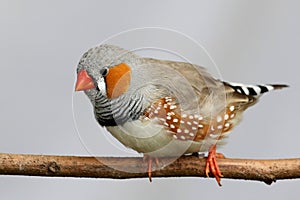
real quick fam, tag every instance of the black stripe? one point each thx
(107, 122)
(121, 108)
(238, 89)
(252, 91)
(263, 89)
(138, 109)
(117, 111)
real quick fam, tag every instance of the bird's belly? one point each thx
(152, 139)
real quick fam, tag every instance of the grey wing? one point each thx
(198, 76)
(209, 93)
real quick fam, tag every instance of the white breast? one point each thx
(152, 139)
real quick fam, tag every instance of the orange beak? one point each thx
(84, 81)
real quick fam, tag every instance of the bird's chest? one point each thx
(165, 130)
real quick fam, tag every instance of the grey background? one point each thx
(42, 41)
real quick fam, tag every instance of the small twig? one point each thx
(267, 171)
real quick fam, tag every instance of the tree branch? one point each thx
(267, 171)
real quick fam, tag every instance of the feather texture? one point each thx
(169, 108)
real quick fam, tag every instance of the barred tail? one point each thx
(254, 90)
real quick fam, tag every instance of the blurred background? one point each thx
(42, 42)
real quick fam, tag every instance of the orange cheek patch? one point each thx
(118, 80)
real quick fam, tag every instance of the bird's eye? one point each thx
(104, 71)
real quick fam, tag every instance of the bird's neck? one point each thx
(113, 112)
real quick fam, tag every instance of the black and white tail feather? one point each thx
(243, 96)
(254, 90)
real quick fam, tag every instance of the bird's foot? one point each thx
(211, 164)
(150, 159)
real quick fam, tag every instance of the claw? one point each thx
(211, 164)
(150, 169)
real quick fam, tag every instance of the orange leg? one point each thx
(211, 164)
(149, 170)
(149, 159)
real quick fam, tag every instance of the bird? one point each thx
(163, 108)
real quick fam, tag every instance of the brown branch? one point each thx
(267, 171)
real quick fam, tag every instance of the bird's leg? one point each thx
(211, 164)
(150, 159)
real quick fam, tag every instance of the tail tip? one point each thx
(279, 86)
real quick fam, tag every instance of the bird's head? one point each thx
(105, 69)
